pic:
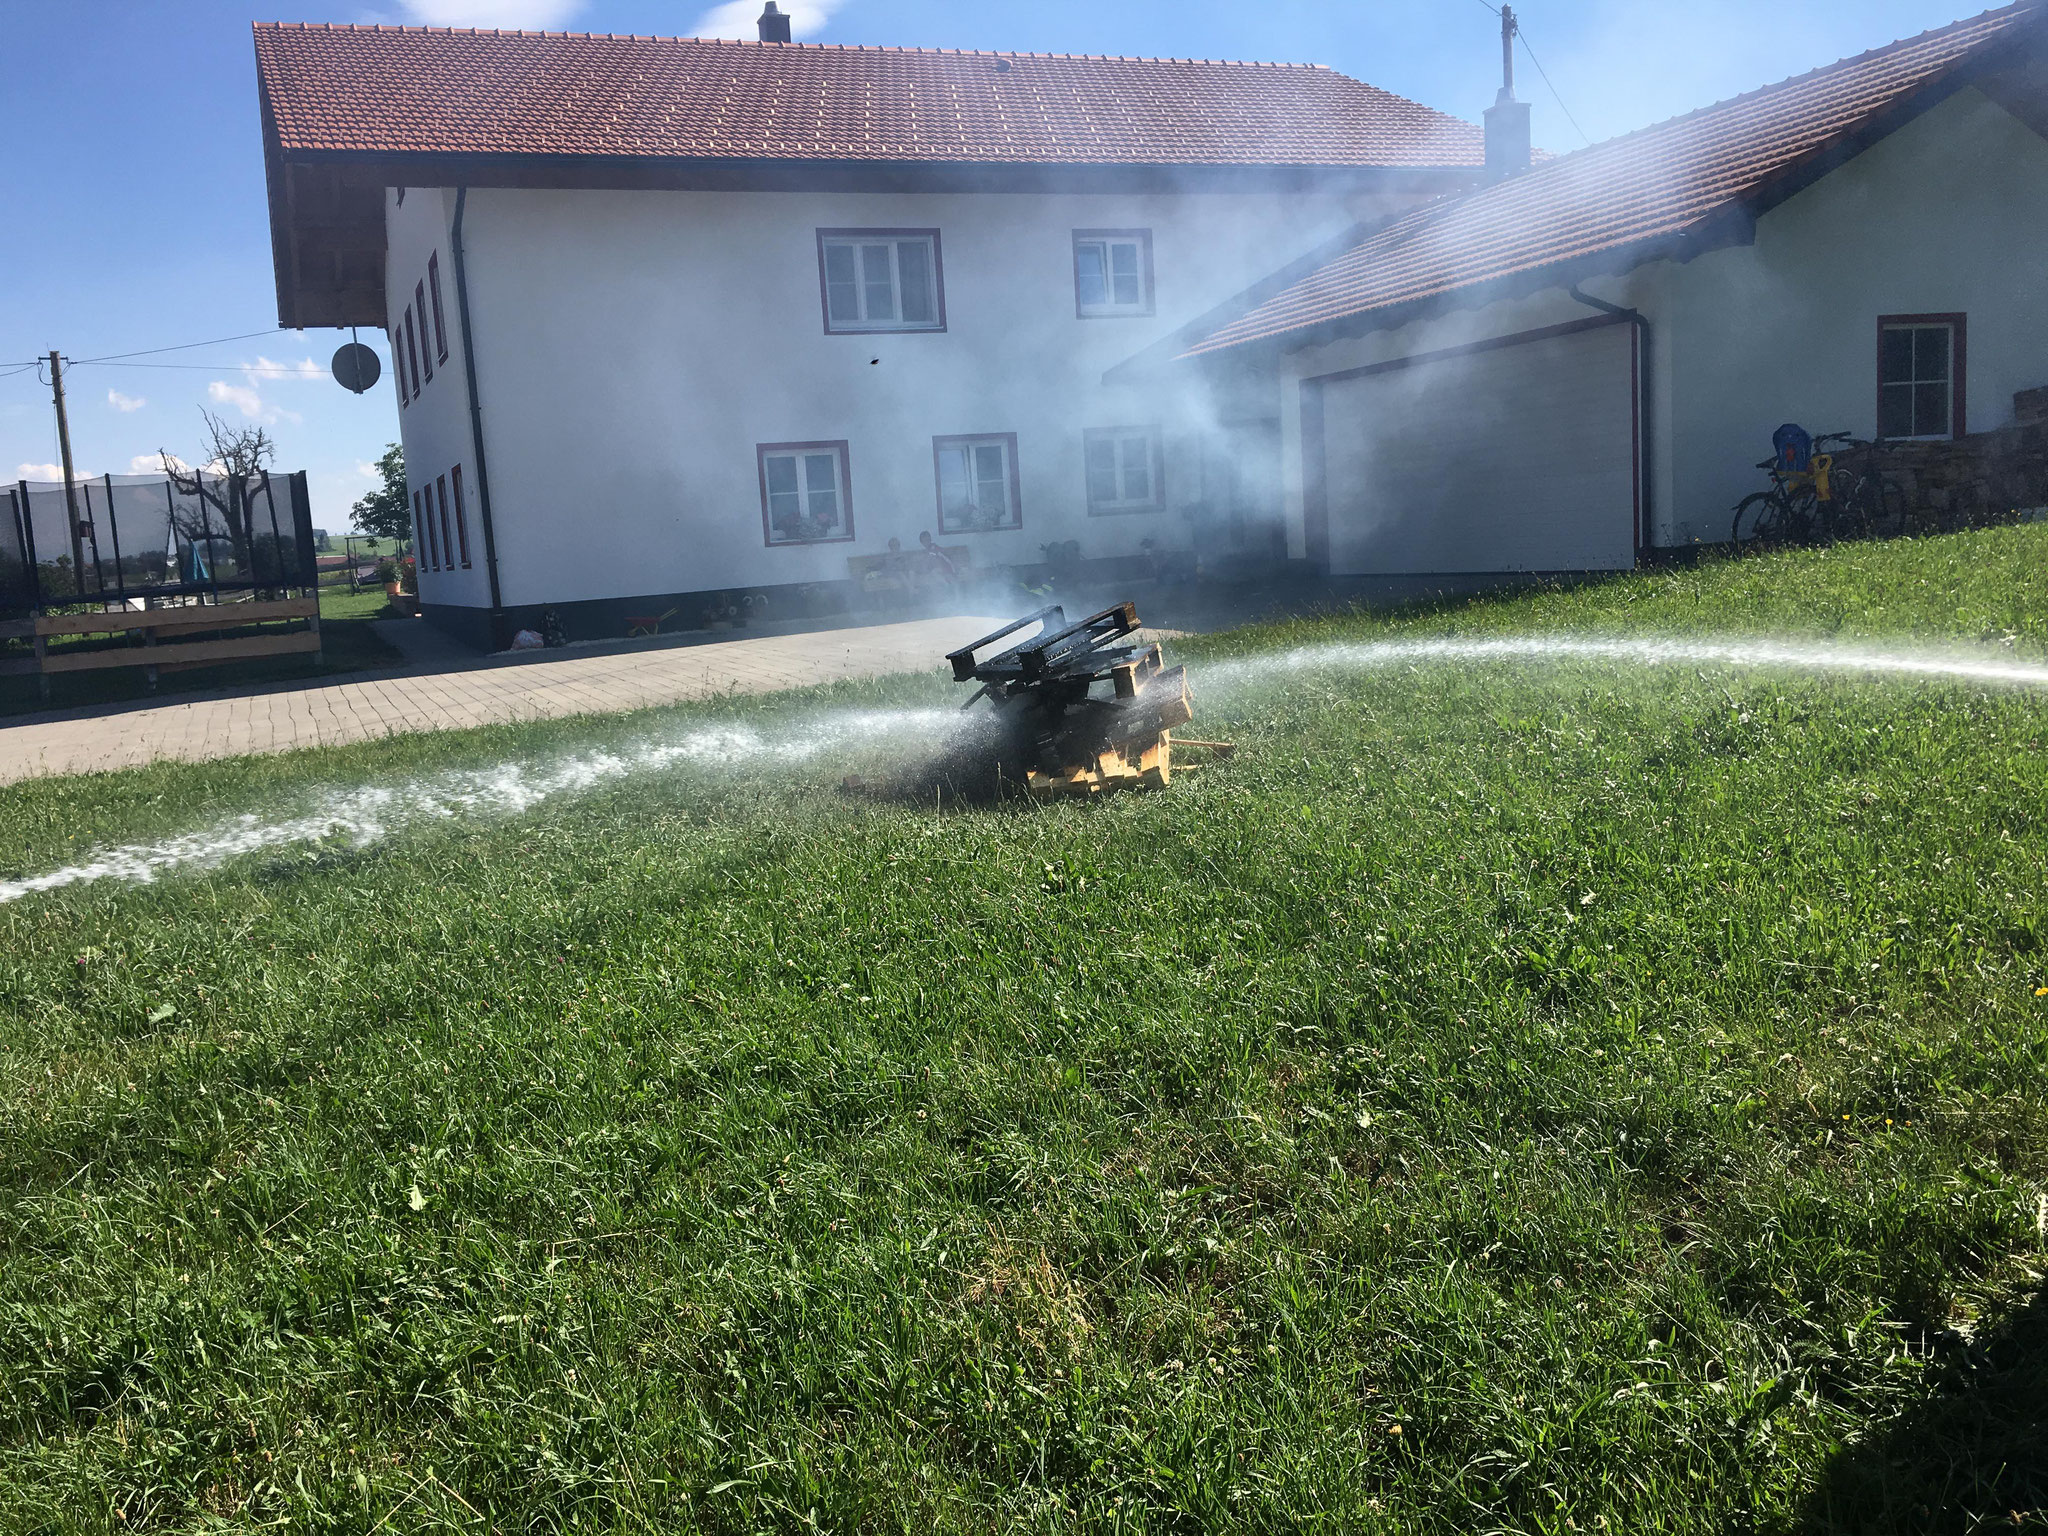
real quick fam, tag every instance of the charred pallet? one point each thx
(1080, 708)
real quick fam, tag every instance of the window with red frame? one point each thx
(434, 290)
(461, 518)
(419, 302)
(423, 526)
(447, 543)
(412, 353)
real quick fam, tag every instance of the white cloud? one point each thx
(251, 404)
(369, 471)
(247, 401)
(522, 15)
(121, 402)
(152, 464)
(737, 18)
(264, 368)
(51, 472)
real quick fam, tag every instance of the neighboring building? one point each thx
(676, 320)
(1856, 249)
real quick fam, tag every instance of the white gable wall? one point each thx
(435, 426)
(1946, 215)
(634, 347)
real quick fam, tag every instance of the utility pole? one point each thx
(70, 492)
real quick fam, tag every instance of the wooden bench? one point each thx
(169, 623)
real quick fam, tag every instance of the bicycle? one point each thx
(1824, 502)
(1788, 513)
(1870, 505)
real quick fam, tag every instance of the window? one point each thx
(1123, 469)
(806, 497)
(1112, 272)
(419, 302)
(461, 521)
(423, 528)
(398, 362)
(434, 289)
(977, 483)
(412, 354)
(881, 279)
(1920, 372)
(447, 543)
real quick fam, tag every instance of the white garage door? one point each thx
(1518, 457)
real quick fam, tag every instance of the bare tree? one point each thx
(231, 456)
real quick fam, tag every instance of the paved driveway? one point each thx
(481, 693)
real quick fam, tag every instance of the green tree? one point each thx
(386, 511)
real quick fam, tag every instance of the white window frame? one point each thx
(971, 448)
(1123, 439)
(805, 491)
(1953, 385)
(861, 244)
(1106, 241)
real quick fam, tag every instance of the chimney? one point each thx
(774, 27)
(1507, 120)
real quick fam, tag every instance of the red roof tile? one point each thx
(1659, 183)
(416, 90)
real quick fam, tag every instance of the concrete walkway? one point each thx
(534, 686)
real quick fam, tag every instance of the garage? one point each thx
(1514, 454)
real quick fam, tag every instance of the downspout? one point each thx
(1646, 429)
(476, 413)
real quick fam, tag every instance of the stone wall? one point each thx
(1985, 478)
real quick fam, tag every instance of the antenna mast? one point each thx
(1507, 53)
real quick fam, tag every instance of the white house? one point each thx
(679, 322)
(1586, 360)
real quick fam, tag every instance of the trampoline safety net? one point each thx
(119, 538)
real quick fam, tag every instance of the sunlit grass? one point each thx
(1503, 1096)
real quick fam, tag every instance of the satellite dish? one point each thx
(356, 367)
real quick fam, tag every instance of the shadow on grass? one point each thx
(1972, 1455)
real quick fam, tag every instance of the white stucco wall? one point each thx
(434, 427)
(634, 347)
(1947, 215)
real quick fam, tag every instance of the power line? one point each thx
(183, 346)
(1567, 111)
(279, 372)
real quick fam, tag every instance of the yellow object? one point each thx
(1822, 463)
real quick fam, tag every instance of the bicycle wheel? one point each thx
(1801, 520)
(1758, 519)
(1852, 519)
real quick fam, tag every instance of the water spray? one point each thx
(359, 818)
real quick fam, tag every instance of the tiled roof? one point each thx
(417, 90)
(1658, 184)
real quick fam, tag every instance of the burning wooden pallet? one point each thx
(1062, 734)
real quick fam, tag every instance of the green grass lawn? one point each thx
(348, 644)
(1573, 1098)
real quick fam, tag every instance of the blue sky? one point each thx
(132, 173)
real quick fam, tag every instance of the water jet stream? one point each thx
(1649, 650)
(360, 817)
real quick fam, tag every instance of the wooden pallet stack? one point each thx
(1082, 708)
